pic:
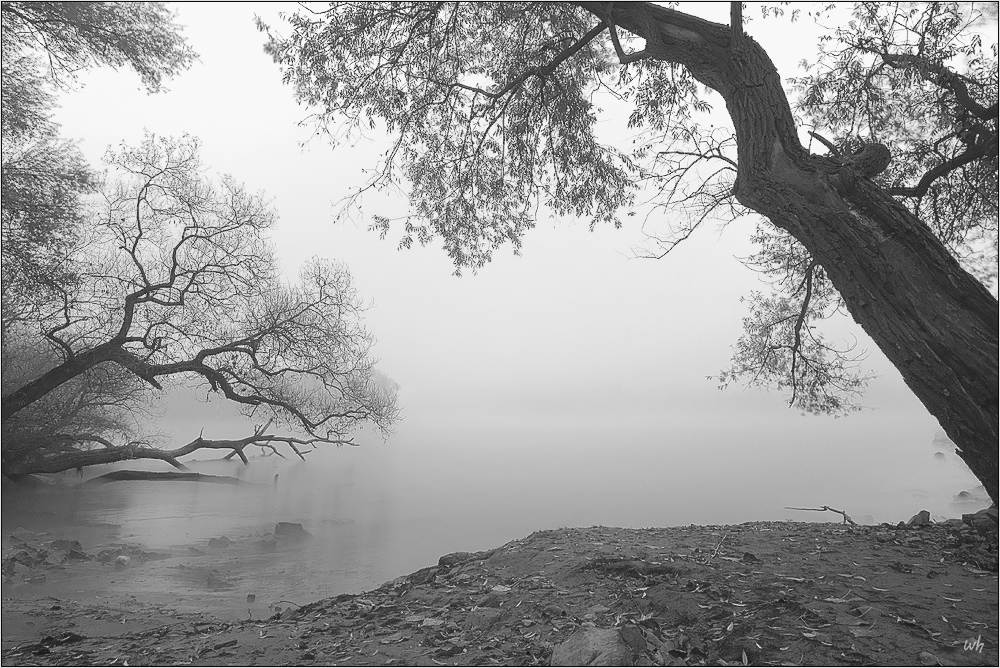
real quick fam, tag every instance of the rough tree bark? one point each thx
(935, 322)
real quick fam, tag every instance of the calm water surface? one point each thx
(387, 509)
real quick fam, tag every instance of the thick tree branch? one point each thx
(623, 57)
(736, 23)
(55, 462)
(987, 148)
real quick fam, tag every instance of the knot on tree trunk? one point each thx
(871, 160)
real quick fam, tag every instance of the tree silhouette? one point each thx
(177, 279)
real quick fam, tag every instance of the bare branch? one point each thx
(797, 329)
(834, 151)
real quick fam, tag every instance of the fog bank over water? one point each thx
(473, 482)
(475, 477)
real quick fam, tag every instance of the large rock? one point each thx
(290, 531)
(923, 517)
(984, 521)
(591, 646)
(66, 545)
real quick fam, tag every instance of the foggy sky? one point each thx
(575, 336)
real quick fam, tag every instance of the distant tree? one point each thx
(492, 113)
(178, 280)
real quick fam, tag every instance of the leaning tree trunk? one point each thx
(936, 323)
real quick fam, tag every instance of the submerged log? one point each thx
(116, 476)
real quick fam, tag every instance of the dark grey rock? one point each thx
(66, 545)
(633, 637)
(221, 541)
(591, 646)
(986, 515)
(265, 544)
(923, 517)
(984, 522)
(291, 531)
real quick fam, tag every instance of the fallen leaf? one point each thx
(865, 633)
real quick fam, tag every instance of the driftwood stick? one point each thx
(718, 548)
(847, 518)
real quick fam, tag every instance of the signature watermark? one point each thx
(974, 644)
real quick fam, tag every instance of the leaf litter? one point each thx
(682, 596)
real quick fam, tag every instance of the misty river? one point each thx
(389, 508)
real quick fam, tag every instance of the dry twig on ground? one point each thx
(847, 518)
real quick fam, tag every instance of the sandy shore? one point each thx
(765, 593)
